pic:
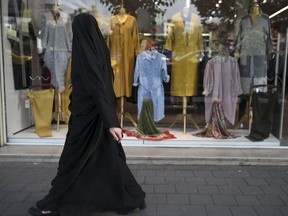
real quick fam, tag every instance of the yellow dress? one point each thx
(123, 42)
(186, 44)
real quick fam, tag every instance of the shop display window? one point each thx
(186, 72)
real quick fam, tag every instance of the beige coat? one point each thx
(123, 42)
(186, 48)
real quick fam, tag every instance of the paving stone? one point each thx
(267, 200)
(268, 211)
(207, 189)
(201, 199)
(284, 210)
(285, 189)
(203, 174)
(177, 199)
(156, 199)
(164, 188)
(195, 180)
(236, 181)
(15, 197)
(3, 207)
(168, 210)
(13, 187)
(255, 181)
(251, 190)
(276, 181)
(146, 173)
(229, 190)
(241, 211)
(284, 199)
(280, 174)
(193, 211)
(218, 211)
(170, 189)
(175, 180)
(215, 181)
(260, 174)
(17, 209)
(223, 200)
(34, 187)
(272, 190)
(247, 200)
(154, 180)
(184, 173)
(3, 194)
(222, 174)
(169, 173)
(184, 188)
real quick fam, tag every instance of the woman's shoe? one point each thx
(38, 212)
(142, 206)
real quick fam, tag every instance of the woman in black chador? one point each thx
(92, 173)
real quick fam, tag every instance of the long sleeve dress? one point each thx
(185, 41)
(150, 72)
(222, 83)
(92, 172)
(57, 44)
(254, 44)
(123, 42)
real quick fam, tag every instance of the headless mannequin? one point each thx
(186, 16)
(122, 16)
(254, 11)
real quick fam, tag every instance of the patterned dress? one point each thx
(254, 45)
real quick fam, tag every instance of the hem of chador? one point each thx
(85, 208)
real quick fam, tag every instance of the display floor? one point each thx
(29, 137)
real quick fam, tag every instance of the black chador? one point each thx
(92, 172)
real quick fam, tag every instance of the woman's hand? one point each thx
(116, 133)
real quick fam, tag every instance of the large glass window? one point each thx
(186, 72)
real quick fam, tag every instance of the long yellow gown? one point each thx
(123, 42)
(186, 44)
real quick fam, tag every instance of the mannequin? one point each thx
(123, 42)
(185, 41)
(253, 48)
(56, 43)
(102, 20)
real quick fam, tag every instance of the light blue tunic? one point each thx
(150, 72)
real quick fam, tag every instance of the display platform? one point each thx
(188, 140)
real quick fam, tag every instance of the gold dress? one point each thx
(123, 42)
(185, 40)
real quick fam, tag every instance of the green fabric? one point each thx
(146, 124)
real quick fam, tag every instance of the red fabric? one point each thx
(158, 137)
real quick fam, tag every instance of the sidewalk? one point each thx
(172, 190)
(160, 155)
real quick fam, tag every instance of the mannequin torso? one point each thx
(122, 16)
